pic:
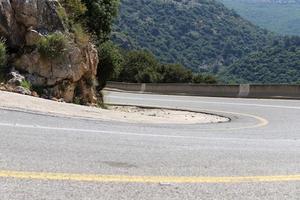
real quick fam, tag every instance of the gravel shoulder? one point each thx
(129, 114)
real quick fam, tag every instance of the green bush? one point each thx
(198, 78)
(53, 46)
(175, 73)
(209, 79)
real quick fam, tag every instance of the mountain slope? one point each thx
(280, 16)
(279, 63)
(201, 34)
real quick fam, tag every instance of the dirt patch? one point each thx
(128, 114)
(156, 115)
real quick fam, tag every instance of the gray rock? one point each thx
(32, 37)
(35, 79)
(15, 78)
(22, 90)
(8, 25)
(22, 24)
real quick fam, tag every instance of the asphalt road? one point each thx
(255, 156)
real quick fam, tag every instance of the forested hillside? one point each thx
(205, 36)
(280, 16)
(202, 35)
(279, 63)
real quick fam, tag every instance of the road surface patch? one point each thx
(27, 126)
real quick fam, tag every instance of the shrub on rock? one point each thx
(52, 46)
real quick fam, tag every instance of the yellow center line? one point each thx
(261, 121)
(142, 179)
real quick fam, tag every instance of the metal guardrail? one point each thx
(243, 90)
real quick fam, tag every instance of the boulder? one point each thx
(32, 37)
(9, 29)
(34, 94)
(22, 90)
(15, 78)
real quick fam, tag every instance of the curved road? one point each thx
(255, 156)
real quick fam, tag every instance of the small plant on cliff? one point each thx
(26, 84)
(81, 36)
(53, 46)
(2, 60)
(2, 54)
(63, 14)
(74, 9)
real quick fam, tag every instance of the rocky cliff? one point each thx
(23, 24)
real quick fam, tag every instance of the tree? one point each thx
(175, 73)
(140, 66)
(100, 16)
(110, 61)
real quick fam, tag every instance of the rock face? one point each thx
(23, 24)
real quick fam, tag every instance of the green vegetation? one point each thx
(74, 9)
(202, 35)
(81, 36)
(279, 63)
(100, 16)
(26, 84)
(175, 73)
(207, 79)
(280, 18)
(2, 60)
(93, 19)
(109, 64)
(134, 66)
(2, 54)
(53, 46)
(142, 67)
(72, 13)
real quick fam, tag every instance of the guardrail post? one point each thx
(244, 90)
(143, 87)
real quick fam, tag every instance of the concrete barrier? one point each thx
(275, 91)
(194, 89)
(243, 91)
(125, 86)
